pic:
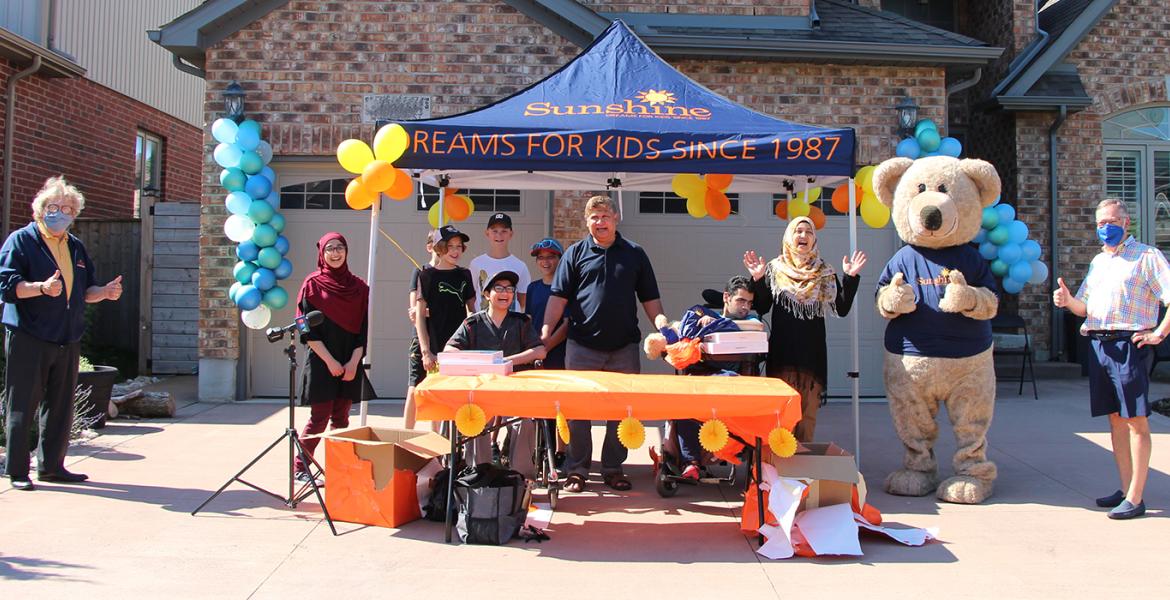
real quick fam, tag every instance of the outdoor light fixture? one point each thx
(233, 101)
(907, 116)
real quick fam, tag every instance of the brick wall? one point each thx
(306, 67)
(787, 8)
(86, 132)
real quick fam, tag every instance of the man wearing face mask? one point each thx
(46, 279)
(1126, 285)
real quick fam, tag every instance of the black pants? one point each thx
(39, 375)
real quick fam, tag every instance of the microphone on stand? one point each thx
(301, 324)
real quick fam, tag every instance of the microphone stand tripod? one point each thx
(294, 449)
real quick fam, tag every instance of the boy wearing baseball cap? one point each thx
(498, 259)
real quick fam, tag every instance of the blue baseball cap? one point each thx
(548, 244)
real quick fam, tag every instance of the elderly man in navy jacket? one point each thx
(46, 279)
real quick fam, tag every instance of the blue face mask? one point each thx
(57, 222)
(1110, 234)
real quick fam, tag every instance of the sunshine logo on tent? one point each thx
(656, 104)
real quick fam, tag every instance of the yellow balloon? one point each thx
(563, 427)
(470, 420)
(688, 185)
(354, 155)
(390, 142)
(697, 205)
(433, 216)
(875, 214)
(797, 208)
(814, 194)
(782, 442)
(864, 178)
(631, 433)
(713, 435)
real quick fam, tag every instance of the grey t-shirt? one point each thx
(514, 335)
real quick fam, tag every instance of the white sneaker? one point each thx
(305, 477)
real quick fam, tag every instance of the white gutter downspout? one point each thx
(9, 135)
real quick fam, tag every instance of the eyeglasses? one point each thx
(334, 249)
(61, 208)
(504, 289)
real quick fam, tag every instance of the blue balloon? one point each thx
(264, 149)
(998, 236)
(264, 235)
(232, 180)
(277, 222)
(260, 211)
(997, 200)
(269, 173)
(263, 279)
(950, 147)
(269, 258)
(929, 140)
(1039, 272)
(235, 289)
(238, 203)
(988, 250)
(1021, 271)
(1031, 250)
(276, 298)
(248, 135)
(247, 250)
(284, 270)
(923, 125)
(980, 237)
(999, 268)
(281, 245)
(248, 297)
(908, 148)
(258, 186)
(227, 155)
(273, 198)
(990, 218)
(1007, 213)
(1010, 253)
(250, 162)
(224, 131)
(1012, 286)
(243, 271)
(1018, 231)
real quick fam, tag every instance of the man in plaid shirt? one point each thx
(1126, 285)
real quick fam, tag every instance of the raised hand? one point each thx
(852, 266)
(113, 289)
(53, 285)
(1061, 295)
(755, 265)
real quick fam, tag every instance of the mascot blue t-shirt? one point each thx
(928, 331)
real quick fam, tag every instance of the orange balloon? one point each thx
(378, 176)
(403, 186)
(450, 191)
(718, 206)
(357, 196)
(817, 215)
(457, 207)
(782, 209)
(841, 198)
(719, 182)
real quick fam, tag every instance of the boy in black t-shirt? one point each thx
(414, 365)
(445, 295)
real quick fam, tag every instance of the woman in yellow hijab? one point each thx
(802, 288)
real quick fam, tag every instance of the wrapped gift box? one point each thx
(500, 368)
(476, 357)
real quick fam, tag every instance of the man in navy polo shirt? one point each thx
(600, 281)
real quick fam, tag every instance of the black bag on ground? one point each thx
(436, 507)
(492, 504)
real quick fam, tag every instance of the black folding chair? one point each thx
(1016, 325)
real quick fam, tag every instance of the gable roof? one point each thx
(189, 35)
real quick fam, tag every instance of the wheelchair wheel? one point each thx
(664, 486)
(554, 493)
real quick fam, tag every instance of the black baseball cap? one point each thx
(499, 219)
(448, 232)
(509, 276)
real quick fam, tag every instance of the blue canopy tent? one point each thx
(618, 116)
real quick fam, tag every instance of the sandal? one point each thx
(618, 481)
(574, 483)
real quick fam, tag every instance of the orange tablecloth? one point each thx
(749, 406)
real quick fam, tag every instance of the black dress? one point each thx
(319, 385)
(797, 342)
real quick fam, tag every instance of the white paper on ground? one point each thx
(913, 536)
(777, 545)
(539, 515)
(830, 530)
(783, 500)
(423, 483)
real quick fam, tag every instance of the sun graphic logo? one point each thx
(655, 97)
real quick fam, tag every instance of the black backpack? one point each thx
(436, 508)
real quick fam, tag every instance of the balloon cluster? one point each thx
(456, 207)
(927, 141)
(801, 205)
(706, 196)
(873, 212)
(1004, 241)
(375, 172)
(254, 224)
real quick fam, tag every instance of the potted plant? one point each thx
(101, 380)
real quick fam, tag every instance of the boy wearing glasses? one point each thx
(497, 328)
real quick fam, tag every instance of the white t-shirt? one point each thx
(484, 266)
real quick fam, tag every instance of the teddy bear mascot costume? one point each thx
(939, 295)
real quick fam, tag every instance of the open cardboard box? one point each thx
(832, 472)
(370, 473)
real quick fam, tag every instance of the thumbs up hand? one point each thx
(1061, 295)
(896, 298)
(53, 286)
(957, 296)
(114, 288)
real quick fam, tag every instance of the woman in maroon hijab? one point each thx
(333, 377)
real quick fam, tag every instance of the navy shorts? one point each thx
(1119, 378)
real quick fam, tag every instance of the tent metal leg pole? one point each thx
(855, 374)
(371, 281)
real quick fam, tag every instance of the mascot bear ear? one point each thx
(983, 174)
(886, 178)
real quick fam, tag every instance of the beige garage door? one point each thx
(691, 254)
(318, 188)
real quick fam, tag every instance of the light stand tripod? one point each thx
(294, 447)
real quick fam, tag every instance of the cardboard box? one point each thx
(737, 336)
(831, 469)
(503, 368)
(734, 347)
(370, 473)
(478, 357)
